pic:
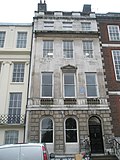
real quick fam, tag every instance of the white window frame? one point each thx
(15, 105)
(116, 63)
(115, 31)
(86, 26)
(46, 129)
(88, 48)
(2, 38)
(18, 72)
(96, 84)
(52, 85)
(48, 48)
(69, 73)
(11, 134)
(71, 129)
(70, 49)
(21, 39)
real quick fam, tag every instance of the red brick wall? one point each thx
(115, 113)
(109, 70)
(104, 31)
(112, 84)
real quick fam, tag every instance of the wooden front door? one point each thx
(95, 132)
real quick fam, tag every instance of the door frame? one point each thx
(101, 128)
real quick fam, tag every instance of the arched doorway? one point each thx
(95, 133)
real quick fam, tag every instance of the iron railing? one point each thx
(116, 148)
(12, 119)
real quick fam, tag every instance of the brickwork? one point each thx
(113, 86)
(115, 109)
(109, 68)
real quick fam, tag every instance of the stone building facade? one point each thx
(67, 103)
(15, 47)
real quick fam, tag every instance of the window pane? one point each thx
(47, 136)
(47, 91)
(88, 49)
(68, 49)
(47, 84)
(86, 26)
(114, 32)
(47, 131)
(91, 91)
(47, 47)
(47, 123)
(2, 39)
(69, 91)
(116, 61)
(69, 79)
(71, 123)
(21, 39)
(47, 78)
(71, 130)
(11, 137)
(71, 136)
(90, 79)
(69, 85)
(18, 72)
(91, 84)
(14, 107)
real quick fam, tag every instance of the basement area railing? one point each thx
(116, 146)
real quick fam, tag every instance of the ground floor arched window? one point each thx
(70, 130)
(46, 132)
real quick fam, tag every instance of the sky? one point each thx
(22, 11)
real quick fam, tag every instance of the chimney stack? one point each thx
(86, 8)
(42, 7)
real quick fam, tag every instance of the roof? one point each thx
(15, 24)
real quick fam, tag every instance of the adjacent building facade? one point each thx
(109, 26)
(67, 101)
(15, 47)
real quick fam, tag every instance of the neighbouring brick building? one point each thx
(109, 27)
(67, 100)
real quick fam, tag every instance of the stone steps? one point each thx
(105, 157)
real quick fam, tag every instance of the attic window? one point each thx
(48, 24)
(67, 25)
